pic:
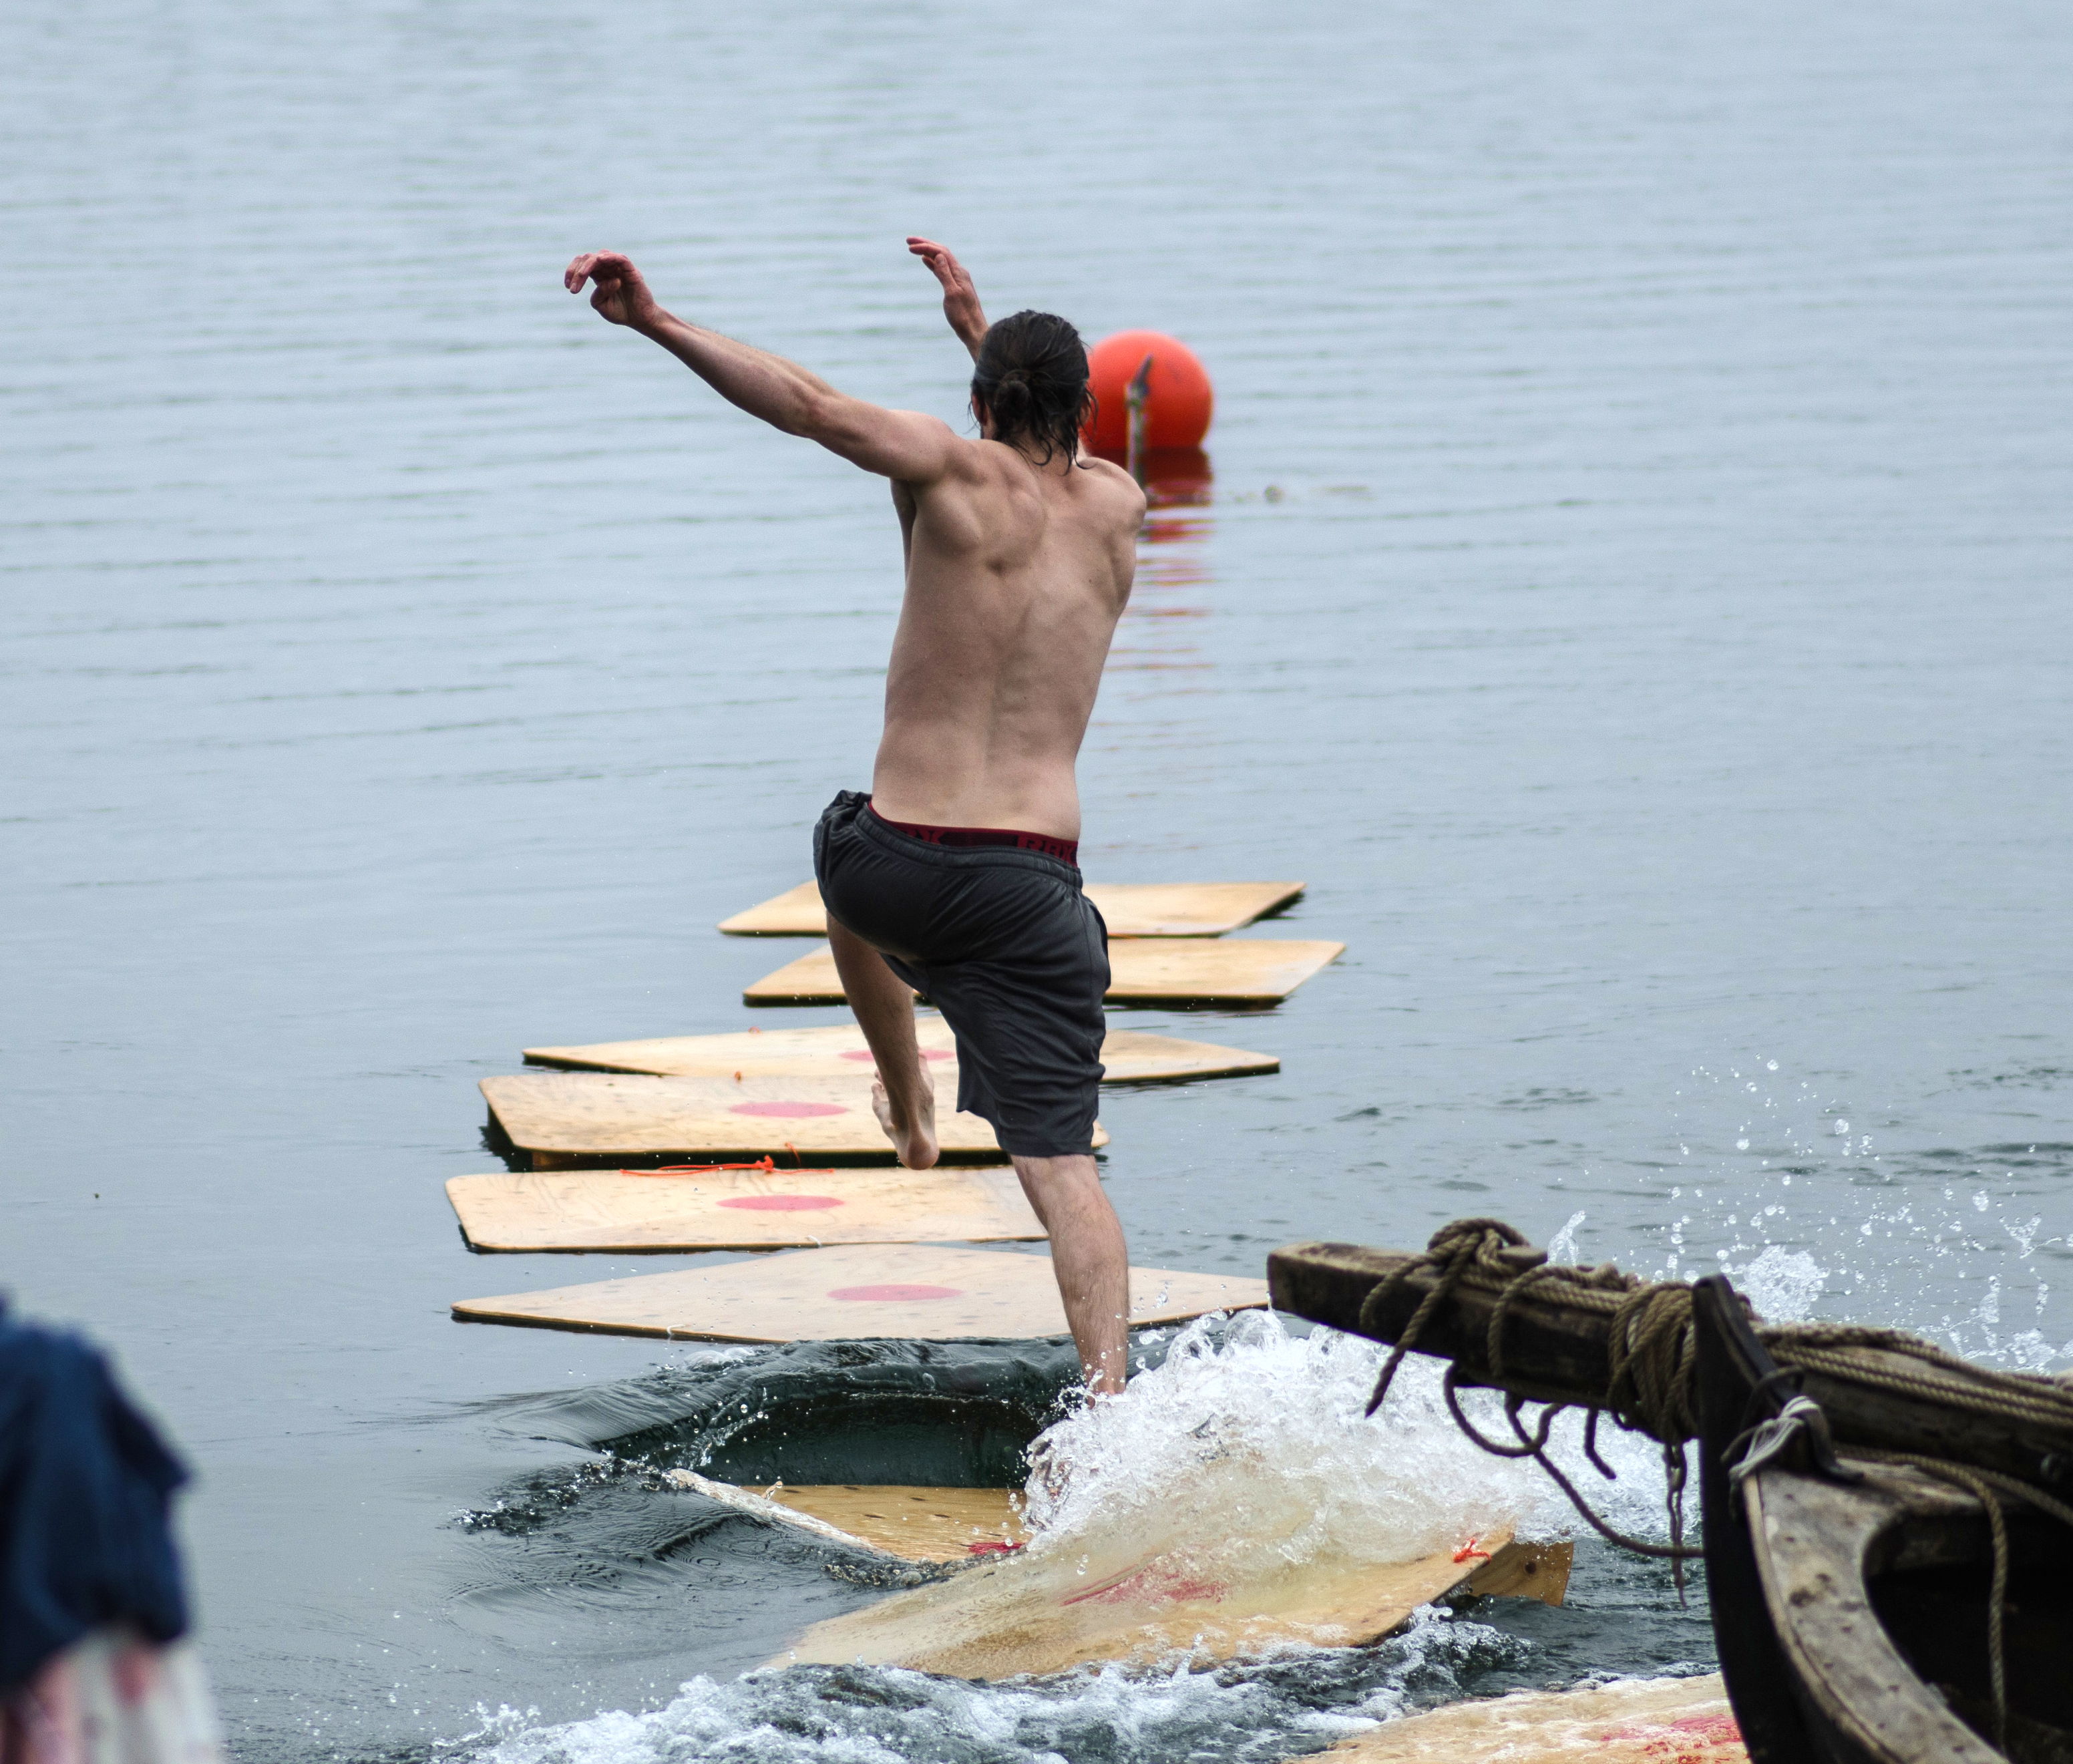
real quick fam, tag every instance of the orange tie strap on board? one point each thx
(768, 1165)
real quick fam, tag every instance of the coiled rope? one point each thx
(1651, 1350)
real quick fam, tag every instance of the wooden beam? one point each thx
(1554, 1352)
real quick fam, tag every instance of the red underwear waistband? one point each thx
(1014, 838)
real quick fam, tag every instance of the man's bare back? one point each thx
(1017, 574)
(958, 876)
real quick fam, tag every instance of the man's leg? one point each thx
(904, 1097)
(1088, 1255)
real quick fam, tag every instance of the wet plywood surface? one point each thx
(906, 1291)
(1047, 1611)
(1672, 1721)
(563, 1118)
(649, 1211)
(916, 1524)
(1131, 909)
(1238, 971)
(1128, 1056)
(921, 1524)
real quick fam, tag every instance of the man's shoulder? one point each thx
(1113, 485)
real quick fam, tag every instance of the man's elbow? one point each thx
(816, 415)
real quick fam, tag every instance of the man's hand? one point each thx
(620, 295)
(961, 304)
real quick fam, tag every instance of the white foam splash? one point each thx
(1257, 1444)
(1562, 1247)
(1782, 1283)
(888, 1715)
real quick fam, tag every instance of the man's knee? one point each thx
(1069, 1179)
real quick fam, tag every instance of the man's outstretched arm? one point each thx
(961, 305)
(903, 444)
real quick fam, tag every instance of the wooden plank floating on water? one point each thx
(1241, 971)
(1128, 1056)
(1131, 909)
(1554, 1352)
(907, 1291)
(1048, 1611)
(916, 1524)
(1650, 1720)
(921, 1524)
(561, 1119)
(648, 1212)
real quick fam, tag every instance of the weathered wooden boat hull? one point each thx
(1852, 1616)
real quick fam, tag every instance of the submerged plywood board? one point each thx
(913, 1524)
(1047, 1611)
(1650, 1720)
(1128, 1057)
(906, 1291)
(562, 1118)
(1172, 971)
(646, 1211)
(1131, 909)
(921, 1524)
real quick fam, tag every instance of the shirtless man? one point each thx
(958, 876)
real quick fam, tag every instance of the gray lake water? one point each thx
(1633, 594)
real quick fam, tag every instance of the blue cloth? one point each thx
(85, 1486)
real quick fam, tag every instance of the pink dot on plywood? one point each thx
(788, 1111)
(927, 1054)
(893, 1290)
(782, 1203)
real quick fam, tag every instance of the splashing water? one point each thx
(1562, 1247)
(1256, 1445)
(1258, 1439)
(1956, 1242)
(1246, 1453)
(887, 1715)
(1782, 1283)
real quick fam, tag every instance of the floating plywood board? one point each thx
(1128, 1057)
(1648, 1721)
(1048, 1611)
(915, 1524)
(905, 1291)
(646, 1211)
(562, 1119)
(1131, 909)
(1171, 970)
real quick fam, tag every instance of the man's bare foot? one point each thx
(914, 1141)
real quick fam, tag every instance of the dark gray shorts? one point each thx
(1005, 945)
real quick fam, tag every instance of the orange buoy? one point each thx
(1178, 398)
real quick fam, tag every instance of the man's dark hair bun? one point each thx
(1032, 377)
